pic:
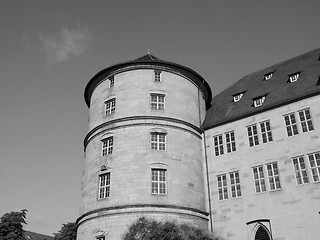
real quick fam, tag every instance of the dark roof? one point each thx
(278, 90)
(36, 236)
(147, 61)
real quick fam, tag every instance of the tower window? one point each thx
(253, 135)
(110, 106)
(104, 185)
(266, 131)
(291, 124)
(158, 181)
(218, 145)
(235, 184)
(157, 76)
(294, 77)
(237, 97)
(273, 176)
(268, 76)
(107, 146)
(314, 160)
(111, 81)
(305, 120)
(259, 181)
(300, 170)
(257, 102)
(222, 187)
(158, 141)
(157, 101)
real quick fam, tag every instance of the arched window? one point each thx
(262, 234)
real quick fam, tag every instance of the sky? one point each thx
(49, 50)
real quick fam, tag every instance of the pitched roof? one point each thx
(278, 90)
(36, 236)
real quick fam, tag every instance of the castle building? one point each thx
(244, 164)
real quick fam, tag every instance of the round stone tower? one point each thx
(143, 151)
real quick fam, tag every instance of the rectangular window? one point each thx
(253, 135)
(235, 184)
(305, 120)
(218, 145)
(222, 187)
(314, 160)
(291, 124)
(266, 131)
(157, 101)
(157, 76)
(300, 170)
(259, 181)
(158, 181)
(104, 186)
(111, 81)
(158, 141)
(110, 106)
(231, 142)
(107, 146)
(273, 176)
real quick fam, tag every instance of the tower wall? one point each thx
(131, 162)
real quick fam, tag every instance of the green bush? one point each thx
(149, 229)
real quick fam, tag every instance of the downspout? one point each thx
(206, 160)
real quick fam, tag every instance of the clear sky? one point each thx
(49, 50)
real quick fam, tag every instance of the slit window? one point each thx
(111, 81)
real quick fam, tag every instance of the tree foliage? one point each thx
(11, 225)
(146, 229)
(68, 231)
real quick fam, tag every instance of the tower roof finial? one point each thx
(149, 51)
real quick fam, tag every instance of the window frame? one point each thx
(253, 136)
(107, 144)
(306, 120)
(157, 76)
(237, 97)
(157, 103)
(104, 189)
(222, 187)
(294, 77)
(157, 144)
(274, 176)
(110, 106)
(235, 186)
(291, 124)
(158, 182)
(300, 170)
(266, 132)
(230, 142)
(259, 101)
(314, 168)
(260, 181)
(218, 145)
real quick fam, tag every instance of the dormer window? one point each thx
(294, 77)
(257, 102)
(268, 76)
(237, 97)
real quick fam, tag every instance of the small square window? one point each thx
(157, 101)
(268, 76)
(158, 141)
(294, 77)
(257, 102)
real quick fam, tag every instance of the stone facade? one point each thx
(230, 166)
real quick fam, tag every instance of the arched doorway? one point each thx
(262, 234)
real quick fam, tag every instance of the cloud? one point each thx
(68, 43)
